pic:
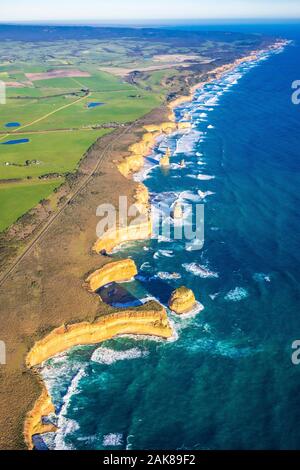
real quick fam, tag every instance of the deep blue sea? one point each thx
(226, 380)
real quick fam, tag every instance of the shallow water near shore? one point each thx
(227, 382)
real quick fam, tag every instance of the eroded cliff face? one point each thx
(182, 300)
(149, 319)
(141, 196)
(141, 229)
(33, 423)
(113, 238)
(131, 164)
(117, 271)
(135, 161)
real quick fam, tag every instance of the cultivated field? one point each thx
(56, 119)
(62, 95)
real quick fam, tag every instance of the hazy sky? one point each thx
(97, 10)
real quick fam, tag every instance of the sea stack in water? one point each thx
(177, 211)
(165, 159)
(182, 300)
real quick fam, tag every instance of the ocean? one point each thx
(226, 380)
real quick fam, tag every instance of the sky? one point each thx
(97, 10)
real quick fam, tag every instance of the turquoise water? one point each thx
(226, 380)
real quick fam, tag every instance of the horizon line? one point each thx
(149, 20)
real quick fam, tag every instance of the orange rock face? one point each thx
(182, 300)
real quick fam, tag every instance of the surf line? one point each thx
(55, 342)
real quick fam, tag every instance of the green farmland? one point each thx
(54, 76)
(17, 199)
(59, 124)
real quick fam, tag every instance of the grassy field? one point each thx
(57, 152)
(54, 115)
(17, 198)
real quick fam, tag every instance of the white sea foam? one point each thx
(112, 440)
(146, 266)
(205, 177)
(196, 244)
(66, 425)
(108, 356)
(175, 336)
(198, 307)
(236, 294)
(204, 194)
(199, 270)
(148, 166)
(189, 196)
(261, 277)
(163, 239)
(187, 142)
(201, 177)
(156, 339)
(166, 253)
(222, 348)
(167, 275)
(214, 296)
(165, 198)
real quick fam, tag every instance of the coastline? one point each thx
(130, 322)
(135, 320)
(150, 319)
(84, 306)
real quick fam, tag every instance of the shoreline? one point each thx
(127, 167)
(134, 162)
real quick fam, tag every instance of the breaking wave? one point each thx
(108, 356)
(199, 270)
(236, 294)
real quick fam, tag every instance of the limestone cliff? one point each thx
(131, 164)
(182, 300)
(117, 271)
(164, 161)
(111, 239)
(141, 196)
(135, 161)
(33, 423)
(149, 319)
